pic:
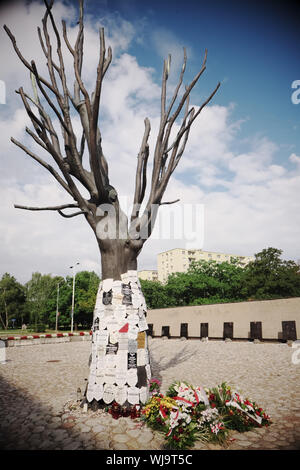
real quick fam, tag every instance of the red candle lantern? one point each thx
(133, 412)
(115, 410)
(125, 411)
(137, 411)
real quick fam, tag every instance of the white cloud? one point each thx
(294, 158)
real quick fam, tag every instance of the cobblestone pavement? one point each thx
(35, 394)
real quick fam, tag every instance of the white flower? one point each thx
(210, 415)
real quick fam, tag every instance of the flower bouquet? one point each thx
(188, 413)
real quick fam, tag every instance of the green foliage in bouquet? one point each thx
(239, 414)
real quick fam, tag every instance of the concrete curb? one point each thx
(29, 340)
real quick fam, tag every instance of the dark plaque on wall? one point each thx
(112, 348)
(107, 297)
(132, 361)
(127, 294)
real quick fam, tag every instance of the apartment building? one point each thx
(179, 260)
(148, 275)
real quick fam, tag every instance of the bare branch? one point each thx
(69, 216)
(44, 164)
(169, 202)
(49, 208)
(140, 179)
(53, 208)
(24, 61)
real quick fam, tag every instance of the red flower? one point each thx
(213, 405)
(212, 397)
(180, 430)
(176, 438)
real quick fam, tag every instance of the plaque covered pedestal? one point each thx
(120, 366)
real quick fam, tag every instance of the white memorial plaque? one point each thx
(133, 395)
(132, 377)
(112, 325)
(141, 361)
(96, 336)
(108, 393)
(100, 377)
(100, 361)
(117, 300)
(141, 313)
(98, 393)
(136, 301)
(110, 361)
(117, 286)
(110, 379)
(133, 319)
(143, 394)
(90, 393)
(123, 344)
(103, 337)
(93, 367)
(121, 378)
(107, 285)
(121, 395)
(124, 278)
(114, 337)
(120, 312)
(103, 324)
(143, 325)
(132, 332)
(121, 361)
(101, 350)
(132, 346)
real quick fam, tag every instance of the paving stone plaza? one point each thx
(38, 393)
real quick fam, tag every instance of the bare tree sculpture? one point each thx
(118, 254)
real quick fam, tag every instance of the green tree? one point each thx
(268, 276)
(39, 291)
(207, 282)
(12, 301)
(155, 294)
(87, 284)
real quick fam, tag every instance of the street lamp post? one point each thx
(73, 297)
(57, 299)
